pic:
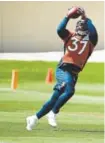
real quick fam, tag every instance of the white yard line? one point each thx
(79, 87)
(90, 87)
(33, 95)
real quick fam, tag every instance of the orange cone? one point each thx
(49, 77)
(14, 82)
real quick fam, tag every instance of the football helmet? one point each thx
(82, 27)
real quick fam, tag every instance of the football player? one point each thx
(78, 46)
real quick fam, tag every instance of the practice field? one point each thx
(81, 120)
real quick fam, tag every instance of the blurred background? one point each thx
(31, 26)
(30, 46)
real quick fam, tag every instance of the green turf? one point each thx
(80, 121)
(36, 71)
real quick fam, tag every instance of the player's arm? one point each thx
(93, 36)
(61, 29)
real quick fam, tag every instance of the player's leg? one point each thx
(51, 116)
(32, 120)
(70, 81)
(49, 104)
(69, 90)
(60, 74)
(58, 89)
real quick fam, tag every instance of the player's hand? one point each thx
(82, 12)
(73, 12)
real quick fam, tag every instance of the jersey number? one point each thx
(75, 43)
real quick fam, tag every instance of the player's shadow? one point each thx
(63, 128)
(59, 129)
(80, 130)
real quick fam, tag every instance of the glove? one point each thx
(82, 12)
(75, 12)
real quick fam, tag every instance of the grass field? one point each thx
(80, 121)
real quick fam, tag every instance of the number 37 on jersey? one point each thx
(77, 51)
(77, 46)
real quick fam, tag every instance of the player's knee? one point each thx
(59, 87)
(69, 91)
(69, 94)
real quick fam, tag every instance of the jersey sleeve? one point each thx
(93, 36)
(62, 31)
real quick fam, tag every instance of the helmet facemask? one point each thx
(82, 28)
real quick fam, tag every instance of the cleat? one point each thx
(31, 122)
(52, 119)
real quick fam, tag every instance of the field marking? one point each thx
(79, 87)
(29, 95)
(90, 87)
(72, 117)
(65, 114)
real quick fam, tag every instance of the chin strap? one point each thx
(82, 33)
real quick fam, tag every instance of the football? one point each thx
(76, 15)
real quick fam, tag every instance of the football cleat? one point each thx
(52, 119)
(31, 122)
